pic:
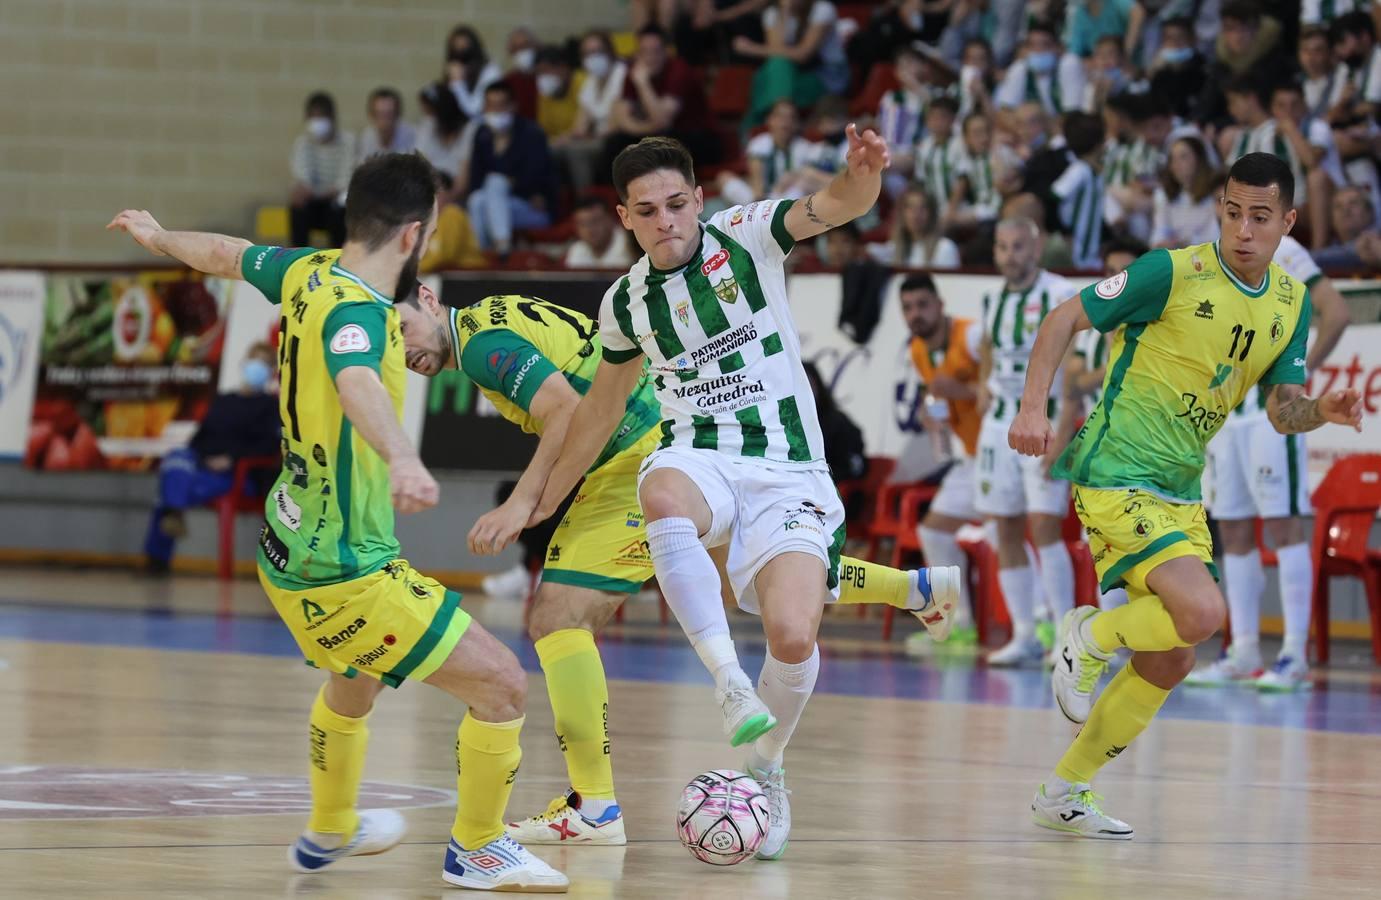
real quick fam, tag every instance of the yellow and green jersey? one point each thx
(508, 345)
(1196, 339)
(329, 517)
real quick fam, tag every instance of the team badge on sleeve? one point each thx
(1110, 287)
(350, 339)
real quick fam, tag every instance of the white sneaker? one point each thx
(1233, 667)
(509, 585)
(1018, 653)
(1078, 813)
(379, 830)
(779, 812)
(1078, 666)
(563, 823)
(746, 717)
(1290, 673)
(935, 594)
(503, 864)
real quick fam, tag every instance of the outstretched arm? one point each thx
(1031, 433)
(852, 192)
(1291, 412)
(591, 425)
(214, 254)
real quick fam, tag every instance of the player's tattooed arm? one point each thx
(214, 254)
(1291, 412)
(813, 216)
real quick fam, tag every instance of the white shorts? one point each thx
(955, 496)
(761, 511)
(1010, 484)
(1255, 471)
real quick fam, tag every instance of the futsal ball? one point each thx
(723, 818)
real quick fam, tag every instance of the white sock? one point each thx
(1057, 577)
(690, 583)
(1113, 599)
(591, 808)
(327, 840)
(1296, 596)
(1019, 589)
(785, 688)
(1245, 582)
(942, 549)
(1055, 786)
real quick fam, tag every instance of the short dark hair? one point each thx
(385, 93)
(499, 87)
(1083, 132)
(1249, 84)
(945, 102)
(918, 281)
(1120, 243)
(1313, 31)
(438, 98)
(1289, 86)
(1246, 11)
(1114, 39)
(553, 54)
(654, 31)
(647, 156)
(1356, 22)
(322, 101)
(1264, 170)
(1045, 26)
(987, 47)
(591, 201)
(387, 192)
(1180, 22)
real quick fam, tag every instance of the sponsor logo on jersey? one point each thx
(311, 610)
(369, 657)
(1205, 310)
(1220, 376)
(1197, 263)
(727, 290)
(469, 323)
(1199, 415)
(714, 262)
(683, 312)
(419, 591)
(338, 292)
(1143, 526)
(1277, 328)
(635, 553)
(1109, 288)
(798, 525)
(350, 339)
(498, 313)
(633, 520)
(328, 641)
(288, 512)
(313, 281)
(727, 391)
(807, 508)
(317, 259)
(275, 551)
(554, 552)
(723, 345)
(644, 338)
(319, 454)
(853, 573)
(737, 218)
(522, 376)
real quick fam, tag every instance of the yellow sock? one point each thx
(1142, 624)
(1127, 705)
(864, 582)
(338, 748)
(580, 704)
(487, 756)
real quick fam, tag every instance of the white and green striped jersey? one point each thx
(722, 346)
(937, 167)
(1080, 192)
(982, 196)
(1010, 321)
(1322, 12)
(1092, 346)
(1130, 163)
(1266, 138)
(1299, 265)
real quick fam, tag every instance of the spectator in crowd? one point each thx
(938, 154)
(1186, 203)
(844, 451)
(558, 93)
(444, 140)
(523, 47)
(1306, 143)
(1247, 46)
(781, 163)
(238, 425)
(1089, 22)
(841, 246)
(976, 78)
(1358, 240)
(599, 244)
(975, 197)
(916, 239)
(702, 30)
(468, 70)
(512, 182)
(386, 131)
(901, 113)
(965, 26)
(1045, 74)
(1322, 78)
(898, 24)
(323, 157)
(1079, 191)
(802, 56)
(1178, 69)
(1324, 12)
(1354, 45)
(661, 95)
(1029, 131)
(1136, 125)
(602, 77)
(1109, 75)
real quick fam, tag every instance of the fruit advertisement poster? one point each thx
(128, 367)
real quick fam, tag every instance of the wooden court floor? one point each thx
(140, 762)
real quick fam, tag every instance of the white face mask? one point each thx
(970, 74)
(598, 64)
(319, 127)
(548, 84)
(499, 121)
(525, 59)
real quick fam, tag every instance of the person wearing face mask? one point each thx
(322, 159)
(523, 48)
(1248, 44)
(601, 79)
(239, 424)
(512, 179)
(468, 69)
(1177, 71)
(558, 92)
(1045, 74)
(1108, 74)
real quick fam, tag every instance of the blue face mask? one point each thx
(256, 374)
(1041, 63)
(1176, 56)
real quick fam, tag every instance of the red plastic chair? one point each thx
(732, 91)
(879, 469)
(237, 500)
(1345, 508)
(905, 540)
(989, 606)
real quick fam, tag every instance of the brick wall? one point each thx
(188, 108)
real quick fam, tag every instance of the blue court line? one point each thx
(1354, 709)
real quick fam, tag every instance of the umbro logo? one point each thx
(1205, 310)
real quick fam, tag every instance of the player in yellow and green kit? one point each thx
(328, 558)
(535, 360)
(1199, 327)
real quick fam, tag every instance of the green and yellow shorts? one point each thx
(1131, 531)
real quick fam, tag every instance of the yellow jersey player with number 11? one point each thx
(1195, 330)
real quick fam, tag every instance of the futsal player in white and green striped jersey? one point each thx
(741, 457)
